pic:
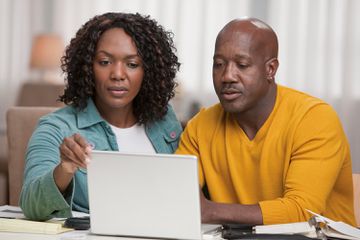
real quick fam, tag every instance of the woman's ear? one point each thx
(271, 67)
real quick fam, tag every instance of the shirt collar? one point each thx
(89, 115)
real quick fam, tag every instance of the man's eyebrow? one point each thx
(242, 56)
(237, 56)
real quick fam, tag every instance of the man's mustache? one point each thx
(230, 88)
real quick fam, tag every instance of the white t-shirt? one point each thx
(133, 139)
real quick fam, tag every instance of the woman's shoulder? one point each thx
(60, 117)
(169, 124)
(65, 113)
(169, 118)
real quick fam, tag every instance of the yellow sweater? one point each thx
(299, 159)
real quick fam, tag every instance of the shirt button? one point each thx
(92, 145)
(173, 134)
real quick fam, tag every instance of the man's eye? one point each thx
(242, 66)
(218, 64)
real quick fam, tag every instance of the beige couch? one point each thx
(21, 122)
(40, 94)
(30, 94)
(3, 170)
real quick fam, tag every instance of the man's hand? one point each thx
(213, 212)
(74, 154)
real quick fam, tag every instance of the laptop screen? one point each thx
(144, 195)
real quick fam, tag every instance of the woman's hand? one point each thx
(74, 154)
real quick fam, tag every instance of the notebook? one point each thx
(144, 195)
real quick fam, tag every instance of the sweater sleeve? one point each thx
(189, 143)
(40, 198)
(319, 150)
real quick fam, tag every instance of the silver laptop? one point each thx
(144, 195)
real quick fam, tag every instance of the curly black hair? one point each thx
(155, 47)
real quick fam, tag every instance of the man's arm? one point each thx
(212, 212)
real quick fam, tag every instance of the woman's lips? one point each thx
(118, 91)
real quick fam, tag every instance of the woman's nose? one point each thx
(118, 71)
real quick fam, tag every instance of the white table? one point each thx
(73, 235)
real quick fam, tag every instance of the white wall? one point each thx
(319, 44)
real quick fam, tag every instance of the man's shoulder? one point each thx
(211, 112)
(299, 101)
(208, 115)
(299, 105)
(298, 96)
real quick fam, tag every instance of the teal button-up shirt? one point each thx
(40, 198)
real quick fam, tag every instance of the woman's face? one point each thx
(118, 71)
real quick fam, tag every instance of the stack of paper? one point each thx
(302, 228)
(12, 219)
(7, 211)
(338, 230)
(25, 226)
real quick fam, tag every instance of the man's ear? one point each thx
(271, 67)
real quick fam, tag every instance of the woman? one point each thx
(120, 71)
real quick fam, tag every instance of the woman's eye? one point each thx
(104, 62)
(133, 65)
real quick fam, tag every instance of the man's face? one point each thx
(239, 71)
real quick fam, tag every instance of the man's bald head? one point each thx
(262, 37)
(244, 67)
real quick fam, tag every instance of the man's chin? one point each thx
(231, 107)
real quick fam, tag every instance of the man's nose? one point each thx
(118, 71)
(229, 74)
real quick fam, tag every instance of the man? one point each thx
(266, 152)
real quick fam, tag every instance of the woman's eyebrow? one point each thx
(104, 52)
(128, 56)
